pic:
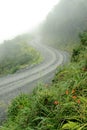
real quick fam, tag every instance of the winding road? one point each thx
(26, 80)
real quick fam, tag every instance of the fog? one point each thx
(19, 16)
(47, 60)
(64, 23)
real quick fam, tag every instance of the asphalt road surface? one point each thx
(27, 79)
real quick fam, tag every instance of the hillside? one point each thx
(65, 22)
(17, 54)
(61, 105)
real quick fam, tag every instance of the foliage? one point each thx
(17, 54)
(80, 49)
(61, 105)
(64, 22)
(75, 54)
(83, 38)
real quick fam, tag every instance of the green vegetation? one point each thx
(64, 22)
(16, 54)
(59, 106)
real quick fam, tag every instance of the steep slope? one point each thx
(61, 105)
(65, 21)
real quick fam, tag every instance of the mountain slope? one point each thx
(65, 22)
(61, 105)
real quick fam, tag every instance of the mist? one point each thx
(64, 23)
(44, 68)
(20, 16)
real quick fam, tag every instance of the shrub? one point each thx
(83, 38)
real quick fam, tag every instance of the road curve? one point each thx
(25, 80)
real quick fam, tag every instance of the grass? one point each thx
(61, 105)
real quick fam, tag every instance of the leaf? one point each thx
(83, 99)
(82, 126)
(70, 125)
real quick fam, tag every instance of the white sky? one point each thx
(18, 16)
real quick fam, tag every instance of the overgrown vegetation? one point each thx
(17, 54)
(59, 106)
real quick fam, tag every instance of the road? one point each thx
(26, 80)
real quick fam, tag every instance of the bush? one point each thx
(75, 54)
(83, 38)
(17, 55)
